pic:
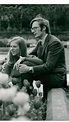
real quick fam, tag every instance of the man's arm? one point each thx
(54, 53)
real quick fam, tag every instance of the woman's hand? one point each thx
(4, 67)
(16, 65)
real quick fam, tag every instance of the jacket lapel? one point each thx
(46, 43)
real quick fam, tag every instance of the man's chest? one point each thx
(42, 51)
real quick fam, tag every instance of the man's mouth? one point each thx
(34, 33)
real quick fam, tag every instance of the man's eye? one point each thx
(34, 28)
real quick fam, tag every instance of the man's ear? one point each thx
(44, 28)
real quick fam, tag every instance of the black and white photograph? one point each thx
(34, 62)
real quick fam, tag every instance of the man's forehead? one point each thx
(35, 23)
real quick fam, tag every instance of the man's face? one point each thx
(36, 29)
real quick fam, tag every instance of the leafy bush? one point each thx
(3, 42)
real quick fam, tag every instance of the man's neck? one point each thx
(42, 36)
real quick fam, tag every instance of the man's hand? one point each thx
(23, 68)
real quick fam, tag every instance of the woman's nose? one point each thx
(11, 48)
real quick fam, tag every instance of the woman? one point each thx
(18, 48)
(18, 54)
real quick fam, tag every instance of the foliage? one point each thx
(15, 19)
(19, 16)
(16, 104)
(9, 111)
(3, 42)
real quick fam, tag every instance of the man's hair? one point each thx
(43, 23)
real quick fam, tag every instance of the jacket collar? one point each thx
(46, 42)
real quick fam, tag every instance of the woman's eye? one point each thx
(10, 46)
(13, 46)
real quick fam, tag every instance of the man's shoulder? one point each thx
(55, 41)
(53, 38)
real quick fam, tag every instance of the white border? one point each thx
(34, 1)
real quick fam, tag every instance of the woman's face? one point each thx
(14, 48)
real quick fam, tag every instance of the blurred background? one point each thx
(15, 19)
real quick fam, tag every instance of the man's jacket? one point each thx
(53, 56)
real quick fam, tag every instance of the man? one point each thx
(52, 72)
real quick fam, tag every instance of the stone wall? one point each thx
(56, 105)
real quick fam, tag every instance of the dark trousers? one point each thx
(48, 80)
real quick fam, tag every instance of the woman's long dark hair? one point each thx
(22, 45)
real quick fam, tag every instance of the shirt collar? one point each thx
(43, 40)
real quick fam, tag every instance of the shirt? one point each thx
(43, 40)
